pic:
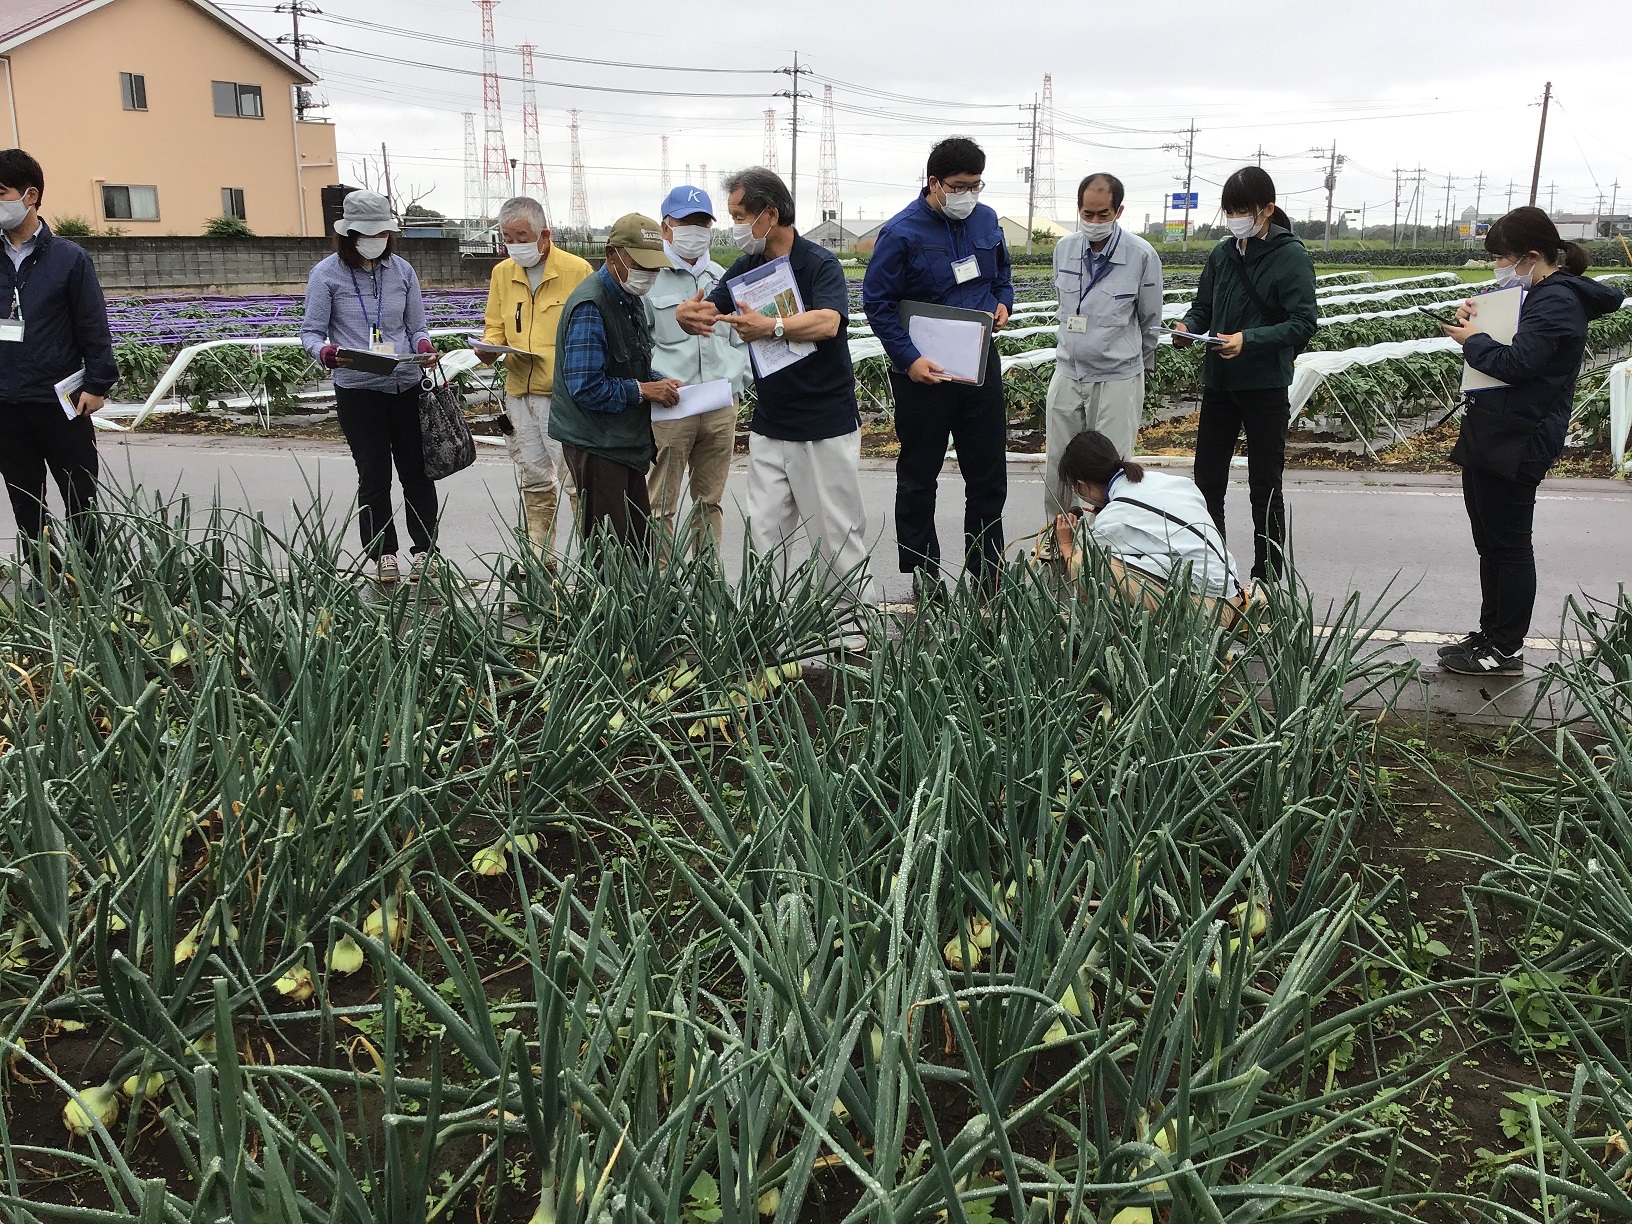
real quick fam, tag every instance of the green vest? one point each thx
(623, 437)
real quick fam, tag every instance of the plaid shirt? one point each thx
(581, 363)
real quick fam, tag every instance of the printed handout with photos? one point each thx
(771, 290)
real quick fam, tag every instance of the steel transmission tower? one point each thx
(1045, 151)
(495, 166)
(702, 176)
(665, 187)
(768, 157)
(827, 174)
(578, 211)
(532, 154)
(474, 203)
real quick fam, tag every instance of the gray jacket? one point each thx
(1123, 309)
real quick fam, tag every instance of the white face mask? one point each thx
(372, 248)
(1509, 276)
(526, 254)
(638, 282)
(1096, 231)
(743, 236)
(691, 242)
(959, 204)
(1242, 227)
(13, 213)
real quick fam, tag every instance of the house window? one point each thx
(232, 203)
(133, 90)
(130, 203)
(237, 101)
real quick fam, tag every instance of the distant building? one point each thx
(832, 235)
(1576, 227)
(155, 116)
(1014, 230)
(863, 245)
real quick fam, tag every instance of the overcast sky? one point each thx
(1451, 88)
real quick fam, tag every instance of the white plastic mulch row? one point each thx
(1620, 411)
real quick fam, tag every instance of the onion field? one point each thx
(624, 893)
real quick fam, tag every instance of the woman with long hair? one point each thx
(366, 298)
(1257, 298)
(1511, 434)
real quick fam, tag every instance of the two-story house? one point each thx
(154, 116)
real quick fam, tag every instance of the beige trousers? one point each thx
(1112, 408)
(700, 448)
(813, 487)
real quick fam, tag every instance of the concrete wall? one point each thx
(256, 265)
(64, 90)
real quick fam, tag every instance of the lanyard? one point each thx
(20, 280)
(17, 301)
(375, 324)
(1090, 275)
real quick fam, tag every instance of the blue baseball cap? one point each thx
(685, 201)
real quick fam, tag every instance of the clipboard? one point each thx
(378, 363)
(950, 346)
(1495, 314)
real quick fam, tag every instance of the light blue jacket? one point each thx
(676, 353)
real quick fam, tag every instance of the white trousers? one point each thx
(812, 487)
(1112, 408)
(539, 464)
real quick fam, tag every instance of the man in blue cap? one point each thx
(699, 446)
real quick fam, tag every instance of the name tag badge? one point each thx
(1076, 323)
(383, 347)
(11, 330)
(966, 269)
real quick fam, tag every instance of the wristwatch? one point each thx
(778, 329)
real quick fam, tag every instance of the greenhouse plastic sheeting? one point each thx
(1311, 368)
(1620, 411)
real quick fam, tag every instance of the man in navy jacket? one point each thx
(946, 248)
(53, 324)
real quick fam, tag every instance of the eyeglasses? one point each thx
(957, 188)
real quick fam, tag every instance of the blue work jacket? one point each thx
(912, 262)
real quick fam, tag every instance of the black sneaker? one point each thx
(1473, 641)
(1483, 660)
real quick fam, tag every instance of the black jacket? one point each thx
(1541, 365)
(1284, 277)
(65, 322)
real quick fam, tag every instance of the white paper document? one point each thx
(67, 391)
(697, 399)
(771, 290)
(956, 345)
(1497, 316)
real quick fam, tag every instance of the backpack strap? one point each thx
(1191, 528)
(1239, 263)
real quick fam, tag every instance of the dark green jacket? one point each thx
(624, 437)
(1284, 276)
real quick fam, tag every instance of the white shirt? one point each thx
(20, 253)
(1158, 545)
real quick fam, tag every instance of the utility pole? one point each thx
(1511, 187)
(385, 159)
(1031, 173)
(794, 94)
(1552, 195)
(1541, 136)
(1331, 186)
(1614, 190)
(1478, 198)
(1396, 208)
(1447, 238)
(1189, 159)
(1260, 156)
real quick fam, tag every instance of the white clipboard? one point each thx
(696, 399)
(1496, 315)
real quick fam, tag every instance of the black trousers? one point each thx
(1263, 415)
(36, 438)
(382, 429)
(1502, 513)
(610, 493)
(973, 418)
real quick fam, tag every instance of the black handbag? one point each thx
(445, 438)
(1492, 441)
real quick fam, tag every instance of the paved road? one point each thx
(1371, 533)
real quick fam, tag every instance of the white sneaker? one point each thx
(385, 569)
(422, 567)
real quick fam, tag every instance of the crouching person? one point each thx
(1154, 526)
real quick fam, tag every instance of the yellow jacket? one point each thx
(519, 318)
